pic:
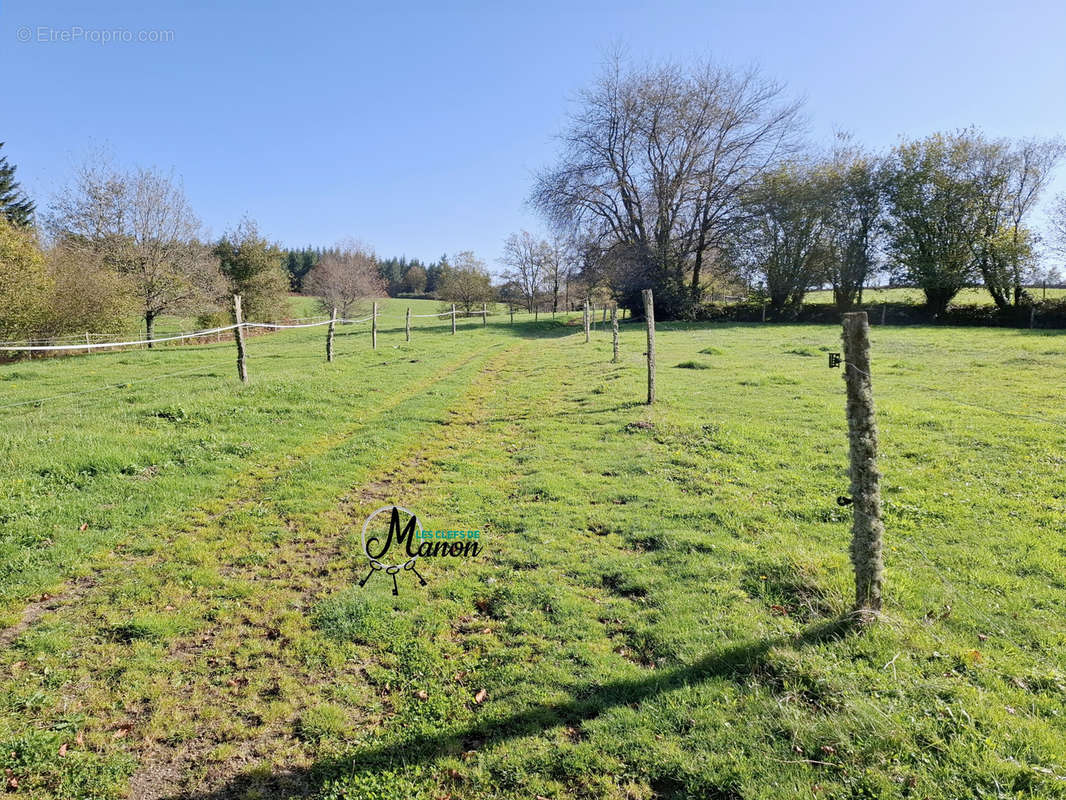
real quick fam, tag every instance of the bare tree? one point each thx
(140, 224)
(559, 266)
(525, 257)
(345, 276)
(1058, 225)
(655, 161)
(1014, 177)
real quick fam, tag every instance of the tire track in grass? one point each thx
(178, 574)
(169, 770)
(247, 488)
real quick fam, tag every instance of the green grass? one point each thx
(654, 612)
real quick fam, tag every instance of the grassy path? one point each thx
(653, 611)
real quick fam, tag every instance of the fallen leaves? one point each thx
(481, 696)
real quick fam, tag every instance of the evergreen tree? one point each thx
(14, 205)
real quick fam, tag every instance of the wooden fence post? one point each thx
(867, 529)
(374, 328)
(884, 312)
(1032, 317)
(484, 314)
(586, 317)
(329, 334)
(453, 319)
(649, 316)
(604, 320)
(407, 325)
(238, 336)
(88, 349)
(614, 329)
(764, 312)
(512, 315)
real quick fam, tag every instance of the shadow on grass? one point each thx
(587, 702)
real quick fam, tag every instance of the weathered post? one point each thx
(87, 343)
(512, 314)
(453, 319)
(329, 334)
(604, 320)
(649, 316)
(1032, 317)
(764, 311)
(884, 312)
(867, 529)
(374, 327)
(484, 314)
(614, 330)
(238, 336)
(407, 325)
(586, 317)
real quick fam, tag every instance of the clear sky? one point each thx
(415, 127)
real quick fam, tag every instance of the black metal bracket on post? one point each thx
(834, 360)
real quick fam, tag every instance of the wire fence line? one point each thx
(73, 341)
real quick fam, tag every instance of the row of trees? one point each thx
(680, 179)
(120, 243)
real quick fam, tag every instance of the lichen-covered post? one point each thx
(614, 330)
(649, 317)
(329, 334)
(238, 336)
(374, 328)
(867, 529)
(407, 324)
(453, 319)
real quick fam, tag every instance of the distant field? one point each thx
(652, 615)
(977, 296)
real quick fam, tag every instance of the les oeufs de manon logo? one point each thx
(399, 549)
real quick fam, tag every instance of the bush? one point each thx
(26, 288)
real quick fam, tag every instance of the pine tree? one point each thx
(14, 205)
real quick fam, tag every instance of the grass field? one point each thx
(654, 611)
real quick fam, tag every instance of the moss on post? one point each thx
(867, 529)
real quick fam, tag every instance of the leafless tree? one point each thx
(560, 262)
(140, 225)
(525, 257)
(655, 161)
(345, 276)
(1058, 225)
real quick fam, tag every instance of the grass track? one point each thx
(653, 610)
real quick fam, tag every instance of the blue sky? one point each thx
(415, 127)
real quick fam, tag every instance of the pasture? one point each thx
(654, 610)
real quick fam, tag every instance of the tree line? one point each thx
(684, 179)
